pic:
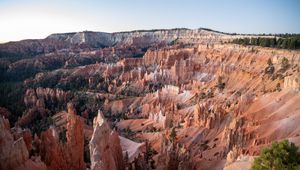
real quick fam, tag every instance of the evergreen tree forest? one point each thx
(289, 41)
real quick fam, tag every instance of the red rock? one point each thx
(52, 153)
(4, 112)
(103, 155)
(75, 139)
(69, 155)
(14, 153)
(25, 134)
(117, 150)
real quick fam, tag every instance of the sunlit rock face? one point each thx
(105, 148)
(67, 154)
(292, 82)
(75, 138)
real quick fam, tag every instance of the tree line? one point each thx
(285, 42)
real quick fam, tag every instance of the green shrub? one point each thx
(270, 68)
(284, 63)
(173, 135)
(280, 156)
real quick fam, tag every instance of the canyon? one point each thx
(147, 99)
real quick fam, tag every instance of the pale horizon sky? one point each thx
(32, 19)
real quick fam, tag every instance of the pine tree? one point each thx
(270, 63)
(281, 155)
(284, 63)
(270, 69)
(173, 135)
(273, 42)
(126, 158)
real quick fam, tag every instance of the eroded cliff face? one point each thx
(141, 38)
(169, 99)
(219, 102)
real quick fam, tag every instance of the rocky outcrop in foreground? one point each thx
(14, 154)
(64, 154)
(105, 148)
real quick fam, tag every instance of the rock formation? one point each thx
(67, 154)
(39, 103)
(14, 153)
(105, 146)
(174, 156)
(75, 139)
(292, 82)
(52, 153)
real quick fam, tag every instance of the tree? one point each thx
(270, 69)
(266, 42)
(246, 41)
(284, 63)
(281, 155)
(284, 43)
(279, 42)
(148, 156)
(272, 42)
(292, 44)
(63, 135)
(86, 151)
(288, 41)
(254, 41)
(126, 158)
(221, 84)
(173, 135)
(278, 88)
(270, 63)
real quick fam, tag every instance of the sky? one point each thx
(31, 19)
